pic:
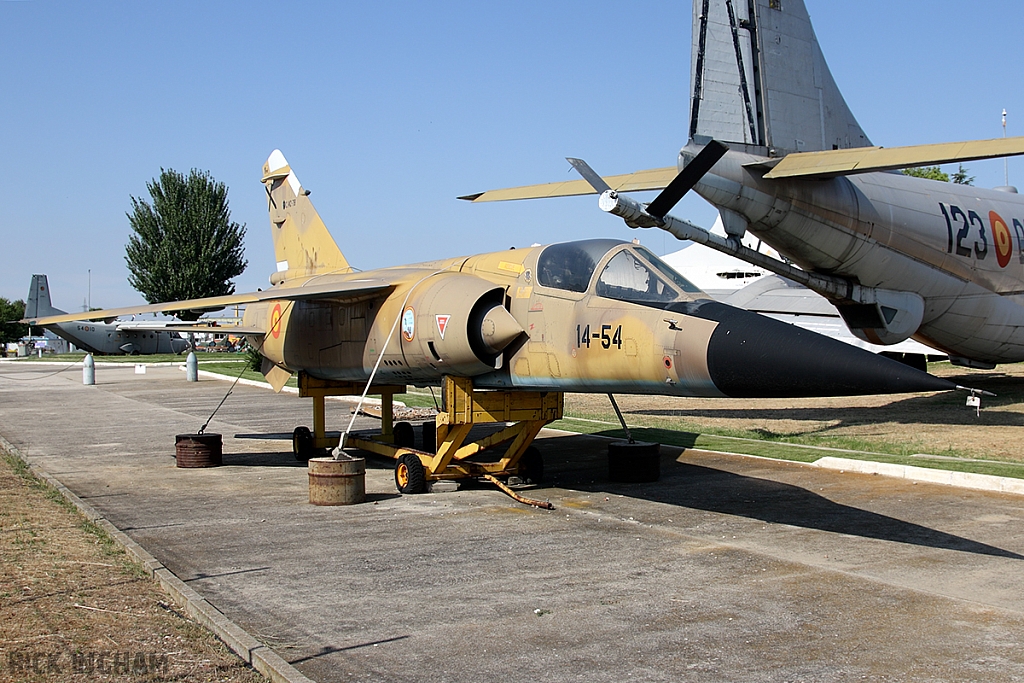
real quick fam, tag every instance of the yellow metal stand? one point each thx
(528, 411)
(320, 389)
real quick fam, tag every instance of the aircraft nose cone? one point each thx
(753, 356)
(497, 329)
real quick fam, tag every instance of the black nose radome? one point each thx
(753, 356)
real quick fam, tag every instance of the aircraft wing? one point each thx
(807, 165)
(182, 326)
(651, 179)
(832, 163)
(337, 291)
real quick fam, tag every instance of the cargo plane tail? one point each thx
(38, 303)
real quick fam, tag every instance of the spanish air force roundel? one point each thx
(1001, 234)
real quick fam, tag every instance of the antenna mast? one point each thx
(1006, 161)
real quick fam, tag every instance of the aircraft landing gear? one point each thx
(405, 435)
(302, 444)
(531, 467)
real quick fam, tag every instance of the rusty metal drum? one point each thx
(198, 450)
(337, 482)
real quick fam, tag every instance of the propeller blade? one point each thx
(589, 174)
(687, 178)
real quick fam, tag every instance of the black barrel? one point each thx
(634, 463)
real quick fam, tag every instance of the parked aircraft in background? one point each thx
(94, 336)
(900, 257)
(597, 315)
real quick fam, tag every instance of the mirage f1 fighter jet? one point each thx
(506, 333)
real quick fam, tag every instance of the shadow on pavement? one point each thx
(578, 462)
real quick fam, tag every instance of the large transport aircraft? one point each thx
(96, 336)
(774, 147)
(505, 334)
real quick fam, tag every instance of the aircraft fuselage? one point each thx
(959, 247)
(104, 338)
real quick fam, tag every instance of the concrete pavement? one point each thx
(727, 569)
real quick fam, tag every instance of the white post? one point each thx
(192, 367)
(89, 371)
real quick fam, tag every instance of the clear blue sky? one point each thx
(389, 110)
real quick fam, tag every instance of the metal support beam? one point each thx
(320, 422)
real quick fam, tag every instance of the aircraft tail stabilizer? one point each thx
(760, 81)
(37, 305)
(302, 244)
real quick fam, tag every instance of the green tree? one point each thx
(961, 177)
(936, 173)
(185, 245)
(930, 172)
(10, 312)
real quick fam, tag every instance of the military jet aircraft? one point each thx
(900, 257)
(107, 338)
(506, 333)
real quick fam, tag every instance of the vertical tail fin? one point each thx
(302, 244)
(760, 81)
(37, 305)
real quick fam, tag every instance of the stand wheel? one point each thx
(302, 444)
(531, 466)
(410, 477)
(405, 436)
(634, 463)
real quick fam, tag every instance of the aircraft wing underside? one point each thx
(334, 291)
(651, 179)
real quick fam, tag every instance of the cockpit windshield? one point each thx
(638, 276)
(632, 274)
(669, 272)
(570, 265)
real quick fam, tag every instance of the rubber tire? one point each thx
(430, 436)
(531, 466)
(405, 435)
(410, 477)
(302, 444)
(634, 463)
